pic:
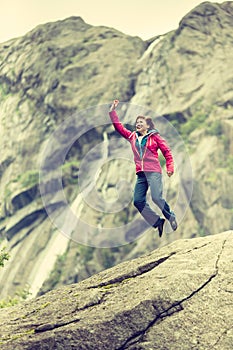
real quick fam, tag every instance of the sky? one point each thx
(143, 18)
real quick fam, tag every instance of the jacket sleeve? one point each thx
(118, 125)
(163, 146)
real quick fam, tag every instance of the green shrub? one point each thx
(16, 299)
(193, 123)
(107, 257)
(70, 165)
(202, 232)
(86, 253)
(3, 256)
(214, 128)
(29, 179)
(69, 172)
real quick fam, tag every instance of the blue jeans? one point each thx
(154, 181)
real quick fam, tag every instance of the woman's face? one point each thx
(141, 125)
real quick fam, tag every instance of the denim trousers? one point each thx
(154, 181)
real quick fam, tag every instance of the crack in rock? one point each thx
(158, 308)
(195, 248)
(97, 300)
(135, 273)
(175, 307)
(50, 326)
(220, 337)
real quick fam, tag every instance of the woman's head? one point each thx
(144, 123)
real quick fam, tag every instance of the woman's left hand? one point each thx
(114, 105)
(170, 173)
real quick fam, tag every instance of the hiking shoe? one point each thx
(160, 227)
(173, 222)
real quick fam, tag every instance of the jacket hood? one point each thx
(150, 132)
(153, 131)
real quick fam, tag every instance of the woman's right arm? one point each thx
(116, 123)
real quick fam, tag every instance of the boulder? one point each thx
(177, 297)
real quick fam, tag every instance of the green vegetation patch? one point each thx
(229, 163)
(3, 256)
(85, 253)
(16, 336)
(16, 299)
(214, 128)
(69, 172)
(196, 121)
(29, 178)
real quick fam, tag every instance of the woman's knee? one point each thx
(158, 200)
(139, 204)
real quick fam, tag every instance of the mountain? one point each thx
(176, 297)
(61, 159)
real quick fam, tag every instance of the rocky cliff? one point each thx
(67, 73)
(176, 297)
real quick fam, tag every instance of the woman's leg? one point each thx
(156, 187)
(140, 201)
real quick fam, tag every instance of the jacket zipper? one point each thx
(142, 159)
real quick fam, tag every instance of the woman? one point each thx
(145, 142)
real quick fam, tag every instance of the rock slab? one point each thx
(178, 297)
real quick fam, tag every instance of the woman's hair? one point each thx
(148, 120)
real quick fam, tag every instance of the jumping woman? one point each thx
(145, 142)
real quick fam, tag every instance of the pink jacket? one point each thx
(149, 160)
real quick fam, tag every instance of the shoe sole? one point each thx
(173, 224)
(160, 228)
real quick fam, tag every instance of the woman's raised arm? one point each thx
(116, 122)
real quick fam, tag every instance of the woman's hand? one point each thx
(114, 105)
(170, 173)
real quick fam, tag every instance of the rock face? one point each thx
(177, 297)
(191, 60)
(45, 76)
(183, 73)
(57, 69)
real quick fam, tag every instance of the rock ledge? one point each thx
(177, 297)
